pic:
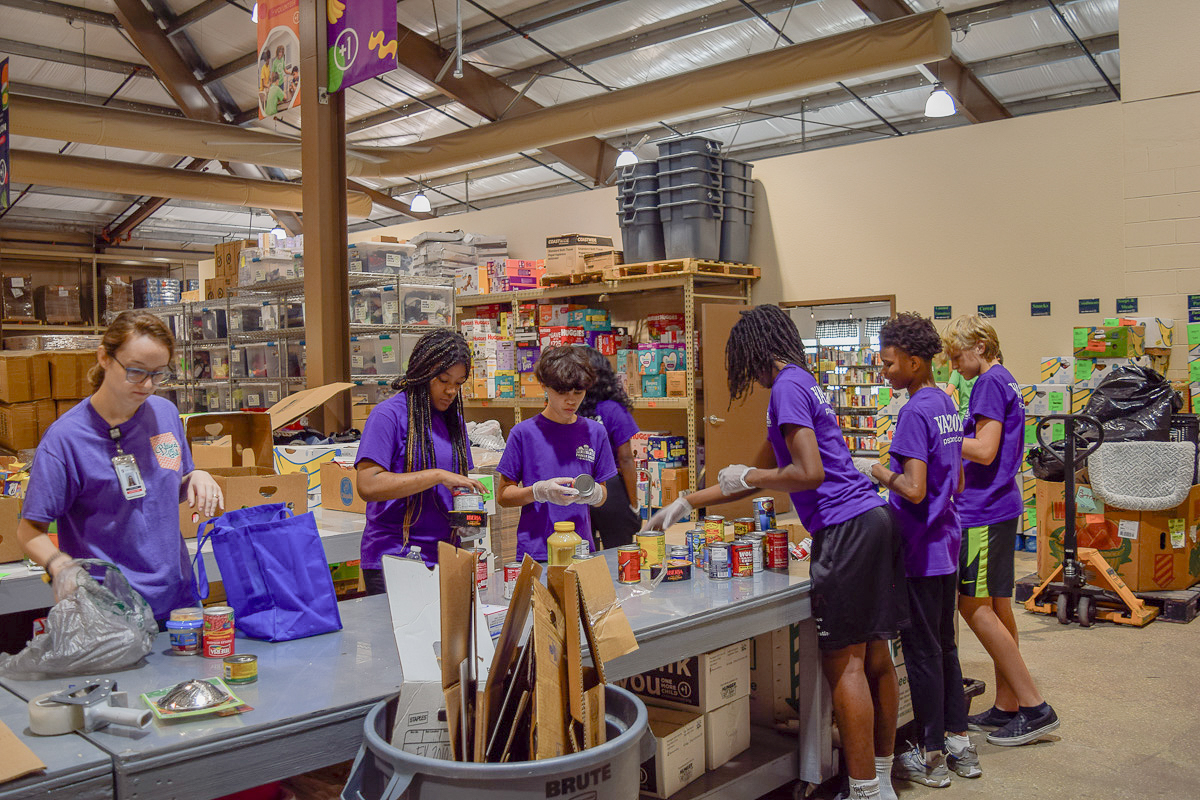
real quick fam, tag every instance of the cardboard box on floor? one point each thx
(699, 684)
(679, 753)
(1165, 555)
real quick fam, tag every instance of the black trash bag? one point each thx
(1045, 466)
(1134, 404)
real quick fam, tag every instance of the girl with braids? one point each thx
(606, 402)
(414, 451)
(858, 592)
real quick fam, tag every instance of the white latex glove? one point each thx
(555, 490)
(593, 498)
(864, 465)
(733, 479)
(666, 517)
(66, 580)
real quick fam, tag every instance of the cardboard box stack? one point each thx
(117, 296)
(448, 254)
(151, 292)
(1041, 399)
(564, 254)
(36, 388)
(18, 297)
(661, 460)
(58, 305)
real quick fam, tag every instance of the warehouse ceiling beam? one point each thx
(64, 11)
(194, 15)
(225, 70)
(30, 90)
(975, 101)
(387, 201)
(844, 56)
(124, 229)
(492, 99)
(528, 20)
(57, 56)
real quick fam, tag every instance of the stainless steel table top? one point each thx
(75, 768)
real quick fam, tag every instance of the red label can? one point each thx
(629, 564)
(481, 568)
(218, 644)
(39, 626)
(512, 571)
(741, 558)
(218, 619)
(777, 549)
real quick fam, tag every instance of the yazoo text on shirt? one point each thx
(950, 426)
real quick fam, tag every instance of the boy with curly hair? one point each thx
(926, 472)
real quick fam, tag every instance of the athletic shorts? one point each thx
(858, 588)
(985, 560)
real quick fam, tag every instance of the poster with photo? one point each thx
(4, 162)
(278, 56)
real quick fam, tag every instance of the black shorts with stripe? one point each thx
(985, 560)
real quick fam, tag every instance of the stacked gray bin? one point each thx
(737, 212)
(689, 197)
(637, 201)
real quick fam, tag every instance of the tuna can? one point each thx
(743, 526)
(677, 551)
(741, 558)
(481, 568)
(241, 669)
(654, 549)
(714, 528)
(582, 551)
(776, 548)
(467, 500)
(764, 512)
(512, 571)
(629, 564)
(218, 644)
(697, 548)
(718, 561)
(678, 569)
(756, 539)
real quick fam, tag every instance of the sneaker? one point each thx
(990, 720)
(928, 770)
(1025, 728)
(965, 762)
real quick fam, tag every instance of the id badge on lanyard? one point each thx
(125, 465)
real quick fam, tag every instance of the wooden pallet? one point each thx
(1182, 605)
(22, 321)
(573, 279)
(693, 266)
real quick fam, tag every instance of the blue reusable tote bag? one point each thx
(274, 570)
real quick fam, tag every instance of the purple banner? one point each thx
(4, 163)
(362, 40)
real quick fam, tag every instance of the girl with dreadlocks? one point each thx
(606, 402)
(857, 576)
(414, 451)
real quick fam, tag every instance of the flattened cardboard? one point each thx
(467, 651)
(295, 406)
(550, 677)
(613, 633)
(585, 684)
(508, 645)
(16, 759)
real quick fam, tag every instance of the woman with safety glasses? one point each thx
(113, 470)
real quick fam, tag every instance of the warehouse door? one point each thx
(731, 435)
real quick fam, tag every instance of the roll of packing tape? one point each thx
(48, 718)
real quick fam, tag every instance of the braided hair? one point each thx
(606, 386)
(764, 334)
(434, 353)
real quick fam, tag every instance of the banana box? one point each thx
(1160, 331)
(1042, 399)
(1057, 369)
(1079, 400)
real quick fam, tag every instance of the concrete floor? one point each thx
(1129, 701)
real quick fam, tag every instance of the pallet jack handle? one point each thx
(1071, 460)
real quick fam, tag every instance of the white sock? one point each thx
(883, 773)
(957, 743)
(864, 790)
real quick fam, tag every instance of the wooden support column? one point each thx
(323, 160)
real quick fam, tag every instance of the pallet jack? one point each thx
(1084, 584)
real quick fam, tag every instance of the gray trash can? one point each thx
(689, 144)
(692, 230)
(608, 772)
(642, 235)
(735, 234)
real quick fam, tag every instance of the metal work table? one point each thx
(74, 767)
(309, 703)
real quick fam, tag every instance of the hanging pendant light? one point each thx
(420, 203)
(940, 103)
(278, 232)
(254, 13)
(627, 157)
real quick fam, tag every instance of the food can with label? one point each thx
(218, 619)
(714, 527)
(481, 568)
(718, 561)
(757, 539)
(512, 571)
(582, 550)
(802, 550)
(742, 526)
(654, 548)
(679, 551)
(218, 644)
(741, 558)
(678, 569)
(697, 545)
(467, 500)
(776, 549)
(629, 564)
(764, 512)
(241, 669)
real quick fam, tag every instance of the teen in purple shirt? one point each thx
(989, 510)
(617, 520)
(926, 473)
(856, 570)
(74, 480)
(414, 450)
(545, 454)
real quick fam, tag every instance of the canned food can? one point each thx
(187, 614)
(218, 644)
(741, 558)
(467, 500)
(481, 568)
(677, 551)
(39, 626)
(714, 526)
(241, 669)
(218, 619)
(582, 550)
(678, 569)
(764, 512)
(654, 549)
(629, 564)
(802, 550)
(697, 548)
(776, 548)
(756, 539)
(718, 561)
(512, 571)
(743, 526)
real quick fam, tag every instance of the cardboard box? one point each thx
(678, 754)
(603, 259)
(226, 257)
(19, 426)
(654, 386)
(564, 254)
(1165, 555)
(24, 376)
(1122, 341)
(246, 487)
(1159, 331)
(10, 515)
(676, 384)
(726, 732)
(1042, 399)
(1057, 369)
(46, 415)
(68, 373)
(307, 460)
(700, 683)
(340, 489)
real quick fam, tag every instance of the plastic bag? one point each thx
(1134, 404)
(486, 434)
(103, 626)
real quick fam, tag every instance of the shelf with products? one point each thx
(538, 402)
(852, 378)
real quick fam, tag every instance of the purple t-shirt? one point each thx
(539, 449)
(992, 494)
(796, 399)
(617, 420)
(384, 441)
(73, 482)
(929, 430)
